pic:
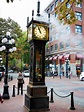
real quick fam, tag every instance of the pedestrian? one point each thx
(60, 73)
(20, 83)
(69, 73)
(1, 100)
(53, 72)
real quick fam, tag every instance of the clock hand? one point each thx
(39, 29)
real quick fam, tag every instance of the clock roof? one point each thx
(36, 21)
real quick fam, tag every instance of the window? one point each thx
(47, 49)
(61, 45)
(68, 5)
(78, 15)
(51, 27)
(52, 8)
(56, 46)
(57, 36)
(50, 38)
(56, 3)
(61, 0)
(47, 10)
(67, 44)
(51, 48)
(79, 5)
(78, 29)
(68, 16)
(56, 15)
(68, 29)
(79, 45)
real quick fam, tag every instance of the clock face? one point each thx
(40, 32)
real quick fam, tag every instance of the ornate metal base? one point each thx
(6, 92)
(36, 99)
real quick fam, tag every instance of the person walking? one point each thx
(60, 74)
(1, 100)
(69, 73)
(20, 83)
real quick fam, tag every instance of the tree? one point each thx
(16, 32)
(11, 26)
(22, 52)
(65, 11)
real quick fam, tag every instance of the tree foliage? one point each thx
(22, 48)
(65, 11)
(11, 26)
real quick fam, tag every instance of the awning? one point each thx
(50, 58)
(66, 56)
(60, 57)
(55, 58)
(79, 56)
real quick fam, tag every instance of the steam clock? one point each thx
(36, 97)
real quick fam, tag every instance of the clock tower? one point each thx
(36, 98)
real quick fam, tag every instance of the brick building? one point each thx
(65, 48)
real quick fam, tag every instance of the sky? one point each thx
(19, 10)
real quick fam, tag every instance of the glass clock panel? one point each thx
(38, 65)
(30, 33)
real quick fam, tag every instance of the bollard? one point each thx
(60, 76)
(72, 102)
(13, 95)
(51, 96)
(11, 78)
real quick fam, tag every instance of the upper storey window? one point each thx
(52, 7)
(61, 0)
(78, 15)
(78, 29)
(79, 5)
(56, 2)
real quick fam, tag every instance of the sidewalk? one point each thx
(16, 104)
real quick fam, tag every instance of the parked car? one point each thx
(11, 71)
(82, 76)
(26, 73)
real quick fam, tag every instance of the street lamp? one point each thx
(8, 44)
(1, 61)
(67, 63)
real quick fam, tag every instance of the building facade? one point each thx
(65, 48)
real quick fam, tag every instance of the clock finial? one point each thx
(27, 20)
(32, 14)
(49, 17)
(38, 8)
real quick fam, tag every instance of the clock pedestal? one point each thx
(36, 98)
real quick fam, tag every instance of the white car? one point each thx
(11, 71)
(82, 76)
(26, 73)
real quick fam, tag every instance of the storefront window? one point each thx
(61, 45)
(56, 46)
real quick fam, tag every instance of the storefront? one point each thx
(71, 60)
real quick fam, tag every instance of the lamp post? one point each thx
(67, 63)
(1, 61)
(8, 44)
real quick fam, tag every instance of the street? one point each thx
(61, 87)
(64, 86)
